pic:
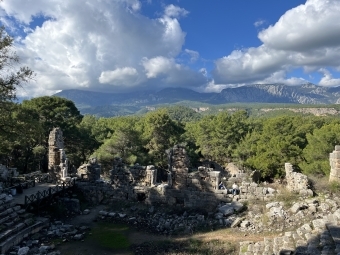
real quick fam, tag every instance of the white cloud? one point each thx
(310, 26)
(96, 44)
(327, 79)
(259, 23)
(175, 11)
(158, 65)
(120, 76)
(306, 36)
(245, 66)
(171, 73)
(194, 55)
(212, 87)
(280, 77)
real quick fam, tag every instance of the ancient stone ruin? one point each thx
(178, 185)
(297, 182)
(7, 173)
(334, 160)
(57, 160)
(90, 171)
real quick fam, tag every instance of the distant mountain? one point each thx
(128, 103)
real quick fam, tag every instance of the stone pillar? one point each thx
(215, 178)
(334, 160)
(151, 175)
(55, 143)
(170, 179)
(179, 164)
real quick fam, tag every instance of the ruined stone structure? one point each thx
(90, 171)
(57, 160)
(6, 173)
(184, 187)
(178, 163)
(334, 160)
(297, 182)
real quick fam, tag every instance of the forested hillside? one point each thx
(263, 143)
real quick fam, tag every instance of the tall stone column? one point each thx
(179, 164)
(334, 160)
(56, 153)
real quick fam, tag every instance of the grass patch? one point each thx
(322, 185)
(287, 197)
(334, 187)
(109, 235)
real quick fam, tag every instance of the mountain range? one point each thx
(89, 102)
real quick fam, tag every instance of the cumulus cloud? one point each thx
(98, 45)
(175, 11)
(310, 26)
(120, 76)
(212, 87)
(327, 79)
(306, 36)
(158, 65)
(245, 66)
(280, 77)
(172, 73)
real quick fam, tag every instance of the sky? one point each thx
(135, 45)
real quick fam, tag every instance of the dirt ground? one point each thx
(137, 237)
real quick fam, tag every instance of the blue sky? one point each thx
(129, 45)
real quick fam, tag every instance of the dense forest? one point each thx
(262, 143)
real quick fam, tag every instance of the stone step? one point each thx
(321, 243)
(16, 235)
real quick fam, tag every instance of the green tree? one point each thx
(182, 113)
(321, 142)
(280, 140)
(217, 136)
(55, 112)
(59, 112)
(11, 77)
(125, 142)
(18, 148)
(159, 134)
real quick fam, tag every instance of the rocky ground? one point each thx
(163, 230)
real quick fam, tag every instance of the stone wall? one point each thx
(334, 160)
(183, 188)
(90, 171)
(297, 182)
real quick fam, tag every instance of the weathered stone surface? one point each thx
(297, 182)
(297, 207)
(90, 171)
(23, 250)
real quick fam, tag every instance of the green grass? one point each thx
(109, 235)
